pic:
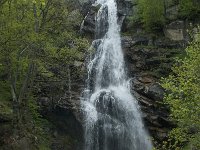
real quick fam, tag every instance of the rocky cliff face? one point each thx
(148, 58)
(59, 100)
(146, 64)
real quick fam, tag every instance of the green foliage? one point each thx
(4, 91)
(183, 97)
(38, 125)
(189, 9)
(38, 33)
(34, 36)
(5, 109)
(151, 14)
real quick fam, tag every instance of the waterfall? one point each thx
(111, 113)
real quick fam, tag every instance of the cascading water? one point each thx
(112, 118)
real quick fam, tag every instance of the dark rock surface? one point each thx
(147, 59)
(145, 65)
(175, 30)
(88, 25)
(59, 100)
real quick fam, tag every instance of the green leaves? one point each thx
(38, 40)
(189, 8)
(151, 13)
(183, 97)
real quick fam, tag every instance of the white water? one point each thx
(112, 117)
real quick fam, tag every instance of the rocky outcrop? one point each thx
(149, 95)
(59, 101)
(88, 24)
(175, 31)
(147, 60)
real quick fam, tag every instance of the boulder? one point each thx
(175, 31)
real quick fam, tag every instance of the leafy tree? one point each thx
(34, 36)
(183, 98)
(189, 8)
(151, 13)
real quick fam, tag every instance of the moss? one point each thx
(43, 147)
(5, 110)
(4, 91)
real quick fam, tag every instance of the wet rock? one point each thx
(96, 7)
(89, 9)
(155, 115)
(124, 7)
(88, 24)
(121, 20)
(102, 23)
(154, 91)
(138, 86)
(85, 6)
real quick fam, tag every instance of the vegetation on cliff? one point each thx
(34, 36)
(189, 9)
(39, 41)
(182, 86)
(154, 14)
(183, 98)
(151, 14)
